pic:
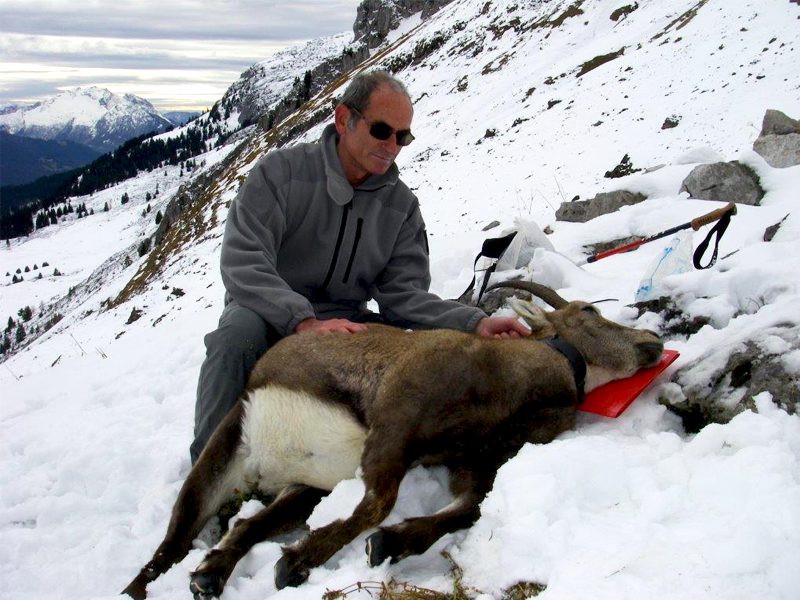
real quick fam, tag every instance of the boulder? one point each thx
(724, 182)
(769, 232)
(727, 390)
(777, 123)
(780, 151)
(581, 211)
(779, 141)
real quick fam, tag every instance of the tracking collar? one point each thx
(575, 359)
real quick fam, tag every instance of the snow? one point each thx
(96, 415)
(78, 107)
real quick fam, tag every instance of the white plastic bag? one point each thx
(520, 251)
(674, 259)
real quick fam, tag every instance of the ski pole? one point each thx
(695, 224)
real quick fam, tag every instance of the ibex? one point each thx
(318, 406)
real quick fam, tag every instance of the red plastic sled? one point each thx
(612, 398)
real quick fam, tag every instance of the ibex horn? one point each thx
(537, 289)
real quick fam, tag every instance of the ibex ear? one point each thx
(535, 317)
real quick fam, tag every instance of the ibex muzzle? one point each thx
(317, 407)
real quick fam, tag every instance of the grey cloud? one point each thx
(217, 20)
(103, 34)
(154, 60)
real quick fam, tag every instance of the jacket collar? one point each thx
(338, 187)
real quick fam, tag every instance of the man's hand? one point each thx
(329, 326)
(502, 327)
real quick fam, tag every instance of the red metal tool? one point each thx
(714, 215)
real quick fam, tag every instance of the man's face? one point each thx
(361, 154)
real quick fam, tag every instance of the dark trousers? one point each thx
(231, 353)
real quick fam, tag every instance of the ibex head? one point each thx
(611, 351)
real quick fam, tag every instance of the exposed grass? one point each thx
(396, 590)
(623, 11)
(682, 20)
(553, 21)
(523, 590)
(573, 10)
(597, 61)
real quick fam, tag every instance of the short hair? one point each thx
(360, 89)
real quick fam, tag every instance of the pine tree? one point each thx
(25, 313)
(159, 216)
(10, 325)
(20, 335)
(105, 207)
(125, 199)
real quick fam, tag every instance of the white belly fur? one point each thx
(292, 437)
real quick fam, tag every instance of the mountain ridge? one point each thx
(93, 117)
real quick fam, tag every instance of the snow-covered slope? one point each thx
(96, 414)
(266, 82)
(91, 116)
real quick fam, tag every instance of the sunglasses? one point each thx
(382, 131)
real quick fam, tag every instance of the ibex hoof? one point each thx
(136, 588)
(288, 573)
(379, 548)
(205, 586)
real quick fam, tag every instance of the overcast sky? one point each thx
(178, 54)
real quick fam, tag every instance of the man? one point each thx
(314, 233)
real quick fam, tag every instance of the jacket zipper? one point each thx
(353, 253)
(342, 227)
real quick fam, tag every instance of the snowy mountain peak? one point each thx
(93, 116)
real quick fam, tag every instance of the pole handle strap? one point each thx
(719, 229)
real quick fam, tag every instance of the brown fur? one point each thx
(429, 396)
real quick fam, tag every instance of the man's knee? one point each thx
(240, 330)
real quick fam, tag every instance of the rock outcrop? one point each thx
(724, 182)
(376, 18)
(731, 388)
(779, 141)
(580, 211)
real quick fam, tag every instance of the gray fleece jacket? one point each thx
(301, 242)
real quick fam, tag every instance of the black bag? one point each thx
(492, 248)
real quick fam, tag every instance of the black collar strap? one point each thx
(575, 359)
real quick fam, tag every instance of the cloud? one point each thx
(166, 52)
(134, 53)
(182, 20)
